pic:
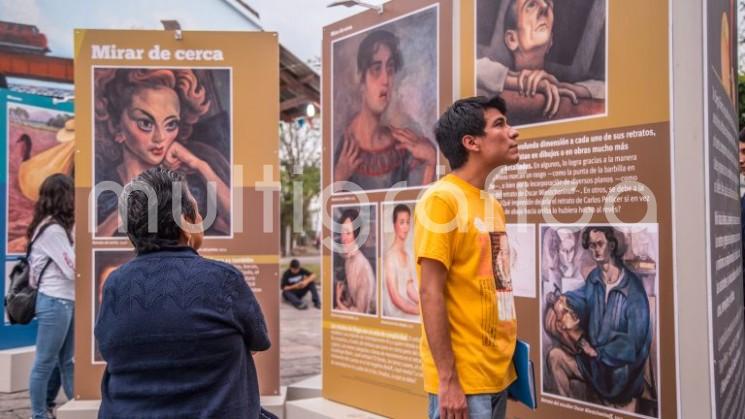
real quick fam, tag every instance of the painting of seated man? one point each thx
(599, 340)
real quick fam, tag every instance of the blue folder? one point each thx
(523, 389)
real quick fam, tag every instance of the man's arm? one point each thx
(626, 346)
(437, 329)
(300, 284)
(308, 278)
(284, 283)
(295, 286)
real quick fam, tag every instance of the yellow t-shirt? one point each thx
(464, 228)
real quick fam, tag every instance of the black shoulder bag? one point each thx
(20, 302)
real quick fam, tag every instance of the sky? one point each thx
(298, 22)
(302, 38)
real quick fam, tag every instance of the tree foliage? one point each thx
(19, 114)
(58, 121)
(300, 167)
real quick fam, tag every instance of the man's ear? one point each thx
(188, 227)
(470, 143)
(510, 40)
(185, 236)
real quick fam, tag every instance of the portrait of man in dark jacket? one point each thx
(603, 329)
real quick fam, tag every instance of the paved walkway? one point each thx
(300, 342)
(300, 356)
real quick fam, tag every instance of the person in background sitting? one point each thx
(296, 282)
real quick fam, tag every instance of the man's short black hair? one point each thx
(464, 117)
(510, 16)
(370, 45)
(294, 264)
(742, 135)
(135, 206)
(618, 247)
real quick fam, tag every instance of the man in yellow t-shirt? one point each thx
(462, 253)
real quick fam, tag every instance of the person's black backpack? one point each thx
(20, 302)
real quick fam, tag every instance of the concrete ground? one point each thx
(300, 356)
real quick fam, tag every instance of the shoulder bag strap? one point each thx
(28, 252)
(41, 231)
(41, 274)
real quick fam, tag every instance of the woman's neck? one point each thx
(365, 127)
(131, 166)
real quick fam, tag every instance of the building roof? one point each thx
(299, 85)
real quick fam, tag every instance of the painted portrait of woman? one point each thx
(355, 285)
(384, 98)
(400, 293)
(174, 118)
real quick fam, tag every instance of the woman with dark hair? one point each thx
(177, 330)
(144, 119)
(400, 293)
(52, 263)
(357, 292)
(371, 154)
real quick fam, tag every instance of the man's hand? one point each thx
(292, 287)
(569, 321)
(530, 82)
(553, 95)
(587, 348)
(307, 280)
(452, 400)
